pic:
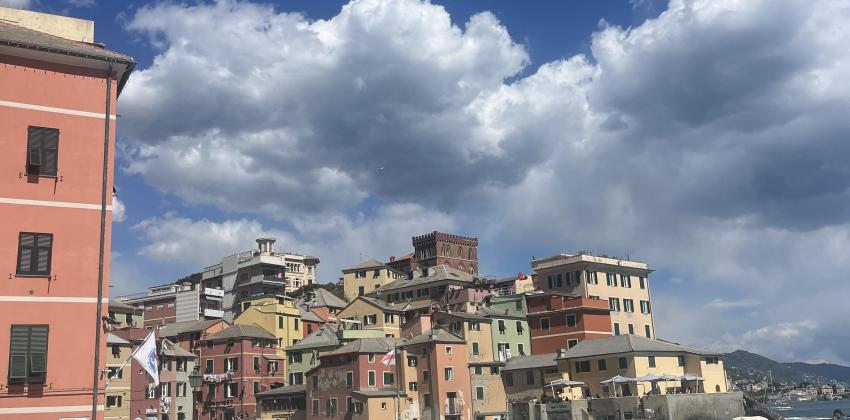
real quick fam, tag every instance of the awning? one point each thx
(273, 357)
(560, 383)
(691, 377)
(619, 380)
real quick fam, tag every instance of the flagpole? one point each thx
(397, 381)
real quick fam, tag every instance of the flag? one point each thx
(146, 356)
(389, 358)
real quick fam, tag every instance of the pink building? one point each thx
(58, 94)
(237, 362)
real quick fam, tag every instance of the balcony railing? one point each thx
(214, 292)
(454, 407)
(213, 313)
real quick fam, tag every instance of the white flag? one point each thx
(389, 358)
(146, 356)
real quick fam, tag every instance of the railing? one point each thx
(214, 313)
(214, 292)
(454, 407)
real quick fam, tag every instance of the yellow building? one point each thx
(366, 277)
(117, 403)
(648, 366)
(276, 314)
(623, 283)
(368, 313)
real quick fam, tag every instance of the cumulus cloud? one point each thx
(119, 212)
(16, 4)
(708, 141)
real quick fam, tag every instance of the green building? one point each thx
(511, 336)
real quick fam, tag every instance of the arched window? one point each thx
(470, 254)
(460, 252)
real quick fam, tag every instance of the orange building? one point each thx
(560, 321)
(58, 93)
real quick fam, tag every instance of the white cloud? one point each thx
(709, 141)
(119, 212)
(16, 4)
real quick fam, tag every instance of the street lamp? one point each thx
(195, 378)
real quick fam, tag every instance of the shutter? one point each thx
(18, 350)
(50, 152)
(26, 244)
(38, 362)
(35, 138)
(18, 366)
(44, 247)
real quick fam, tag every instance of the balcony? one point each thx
(213, 313)
(216, 293)
(454, 407)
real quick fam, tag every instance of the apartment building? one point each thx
(190, 335)
(426, 286)
(122, 315)
(558, 321)
(511, 334)
(261, 271)
(117, 401)
(238, 363)
(621, 282)
(367, 313)
(58, 104)
(278, 316)
(367, 276)
(440, 361)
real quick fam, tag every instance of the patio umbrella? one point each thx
(618, 380)
(560, 383)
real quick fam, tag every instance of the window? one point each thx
(181, 389)
(116, 352)
(361, 291)
(231, 390)
(349, 379)
(571, 343)
(494, 370)
(315, 407)
(315, 382)
(231, 364)
(616, 328)
(646, 330)
(181, 365)
(502, 327)
(296, 378)
(614, 304)
(479, 392)
(477, 370)
(257, 366)
(681, 360)
(370, 319)
(642, 282)
(114, 372)
(644, 306)
(389, 378)
(297, 324)
(426, 376)
(544, 324)
(35, 252)
(554, 281)
(519, 328)
(712, 360)
(371, 357)
(209, 368)
(113, 401)
(651, 360)
(389, 318)
(529, 377)
(571, 320)
(272, 366)
(591, 278)
(42, 151)
(521, 349)
(28, 353)
(295, 357)
(475, 349)
(631, 329)
(165, 389)
(518, 305)
(629, 305)
(601, 364)
(623, 362)
(256, 387)
(210, 392)
(150, 391)
(426, 400)
(331, 407)
(372, 378)
(349, 405)
(376, 274)
(625, 280)
(611, 279)
(360, 274)
(448, 349)
(474, 326)
(583, 367)
(411, 361)
(449, 374)
(509, 379)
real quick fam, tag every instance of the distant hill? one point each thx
(742, 364)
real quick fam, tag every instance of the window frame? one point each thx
(29, 166)
(35, 252)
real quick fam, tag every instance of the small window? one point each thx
(571, 320)
(544, 324)
(449, 374)
(315, 407)
(651, 360)
(529, 377)
(601, 364)
(476, 370)
(349, 379)
(256, 387)
(35, 254)
(412, 386)
(623, 363)
(389, 378)
(631, 329)
(475, 350)
(315, 382)
(42, 151)
(647, 331)
(426, 400)
(373, 379)
(681, 360)
(616, 328)
(113, 401)
(479, 392)
(448, 349)
(582, 367)
(571, 343)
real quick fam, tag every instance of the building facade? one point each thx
(557, 321)
(623, 283)
(437, 248)
(367, 276)
(58, 105)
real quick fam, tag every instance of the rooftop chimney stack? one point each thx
(265, 245)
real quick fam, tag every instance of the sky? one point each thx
(704, 137)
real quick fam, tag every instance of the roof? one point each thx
(491, 312)
(174, 350)
(113, 339)
(371, 263)
(384, 306)
(388, 392)
(437, 335)
(325, 336)
(437, 273)
(121, 306)
(463, 315)
(628, 343)
(532, 362)
(308, 315)
(366, 345)
(19, 37)
(242, 331)
(177, 328)
(323, 297)
(283, 391)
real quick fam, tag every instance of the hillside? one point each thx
(742, 364)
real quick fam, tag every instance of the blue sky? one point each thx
(703, 137)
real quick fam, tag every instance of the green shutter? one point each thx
(49, 152)
(38, 362)
(18, 366)
(26, 246)
(44, 246)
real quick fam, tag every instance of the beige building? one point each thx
(117, 403)
(685, 369)
(623, 283)
(368, 313)
(367, 276)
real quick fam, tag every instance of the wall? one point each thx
(359, 308)
(511, 336)
(118, 386)
(698, 406)
(351, 283)
(494, 391)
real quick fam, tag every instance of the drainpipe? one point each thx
(105, 176)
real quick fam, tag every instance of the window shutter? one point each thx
(38, 362)
(18, 366)
(44, 245)
(50, 152)
(26, 245)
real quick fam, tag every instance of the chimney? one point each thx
(392, 258)
(265, 245)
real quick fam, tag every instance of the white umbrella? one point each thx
(618, 380)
